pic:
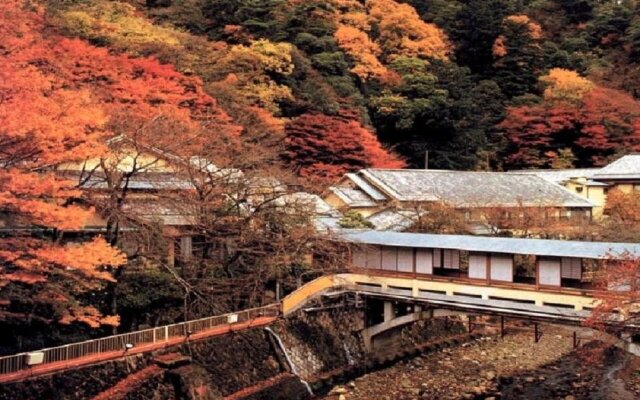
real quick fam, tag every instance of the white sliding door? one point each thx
(501, 267)
(389, 259)
(405, 259)
(424, 261)
(478, 265)
(549, 271)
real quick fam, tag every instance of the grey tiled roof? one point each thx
(539, 247)
(140, 181)
(312, 202)
(627, 167)
(473, 189)
(353, 197)
(560, 175)
(366, 187)
(393, 220)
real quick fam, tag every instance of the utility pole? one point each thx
(426, 160)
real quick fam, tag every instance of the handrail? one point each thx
(18, 362)
(301, 295)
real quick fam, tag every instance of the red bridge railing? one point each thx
(123, 342)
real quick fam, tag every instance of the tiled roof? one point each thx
(393, 220)
(627, 167)
(312, 202)
(141, 181)
(353, 197)
(560, 175)
(472, 189)
(366, 187)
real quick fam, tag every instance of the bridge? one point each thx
(424, 275)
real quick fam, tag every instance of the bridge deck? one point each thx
(49, 368)
(515, 300)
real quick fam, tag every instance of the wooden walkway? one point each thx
(100, 357)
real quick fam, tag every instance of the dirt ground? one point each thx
(513, 367)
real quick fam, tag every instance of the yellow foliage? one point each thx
(404, 33)
(246, 69)
(119, 25)
(535, 30)
(267, 94)
(272, 57)
(565, 85)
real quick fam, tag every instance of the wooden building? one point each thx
(533, 263)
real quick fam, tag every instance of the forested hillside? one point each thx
(480, 84)
(317, 87)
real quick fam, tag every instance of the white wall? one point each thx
(424, 261)
(373, 257)
(478, 265)
(502, 267)
(405, 259)
(549, 271)
(389, 258)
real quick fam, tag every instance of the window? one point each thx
(571, 268)
(184, 248)
(451, 259)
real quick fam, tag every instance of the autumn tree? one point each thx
(590, 121)
(618, 293)
(45, 122)
(622, 222)
(325, 147)
(404, 33)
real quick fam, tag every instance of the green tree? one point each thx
(476, 26)
(518, 54)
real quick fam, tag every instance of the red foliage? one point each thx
(59, 100)
(326, 147)
(603, 122)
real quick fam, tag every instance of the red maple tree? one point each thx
(325, 147)
(602, 123)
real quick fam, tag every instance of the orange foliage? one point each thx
(362, 50)
(404, 33)
(401, 32)
(499, 47)
(58, 100)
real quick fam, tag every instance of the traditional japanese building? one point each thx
(390, 199)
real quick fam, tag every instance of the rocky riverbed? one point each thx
(513, 367)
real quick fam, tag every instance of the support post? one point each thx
(502, 332)
(471, 324)
(536, 332)
(388, 311)
(576, 341)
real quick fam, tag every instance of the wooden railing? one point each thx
(18, 362)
